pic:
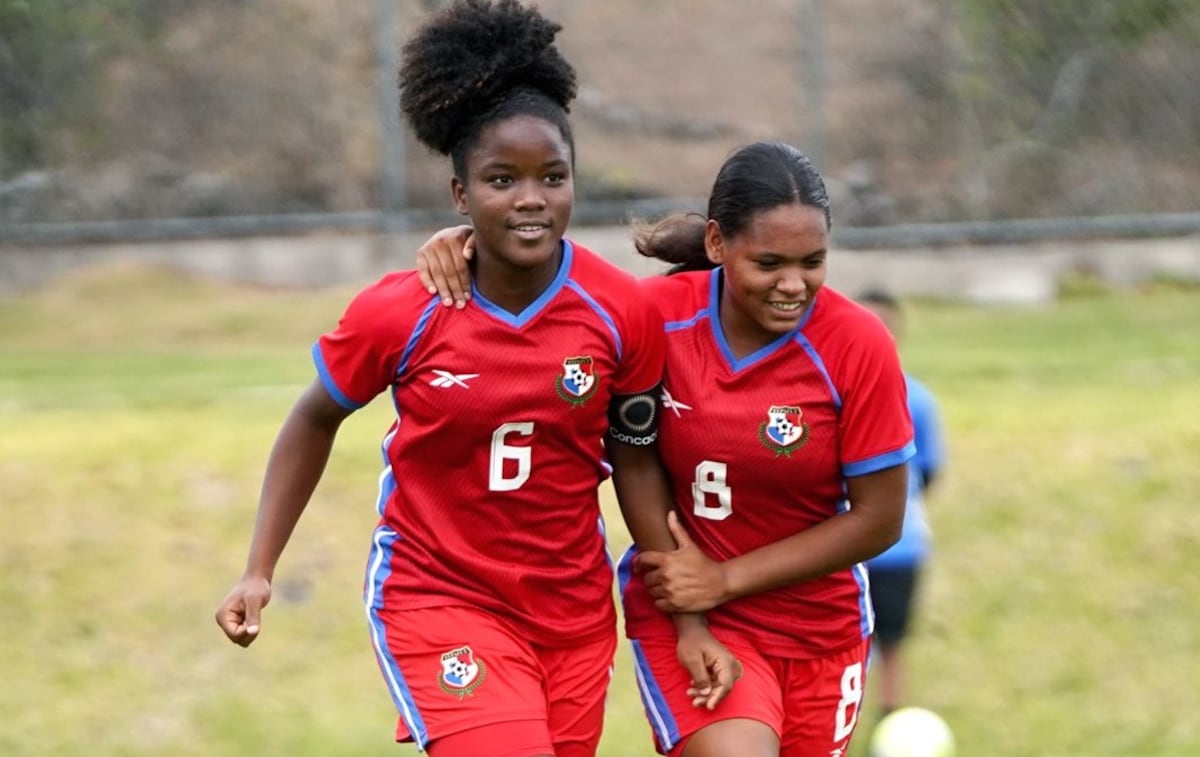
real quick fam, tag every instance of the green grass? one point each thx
(137, 407)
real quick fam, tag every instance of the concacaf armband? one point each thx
(633, 418)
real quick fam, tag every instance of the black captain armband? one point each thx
(633, 418)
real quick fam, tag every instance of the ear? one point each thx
(714, 242)
(458, 191)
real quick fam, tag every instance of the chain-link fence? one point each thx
(281, 114)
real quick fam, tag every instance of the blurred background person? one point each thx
(895, 574)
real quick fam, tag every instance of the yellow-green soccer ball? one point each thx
(912, 732)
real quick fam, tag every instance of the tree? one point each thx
(1052, 86)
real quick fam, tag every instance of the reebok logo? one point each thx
(673, 404)
(446, 379)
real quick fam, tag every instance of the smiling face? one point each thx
(773, 270)
(519, 190)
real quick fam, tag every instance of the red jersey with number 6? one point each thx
(488, 497)
(759, 448)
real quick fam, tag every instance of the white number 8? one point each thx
(710, 479)
(852, 694)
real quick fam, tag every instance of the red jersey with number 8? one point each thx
(759, 447)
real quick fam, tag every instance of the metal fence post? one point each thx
(812, 80)
(392, 179)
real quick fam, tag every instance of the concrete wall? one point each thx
(1024, 273)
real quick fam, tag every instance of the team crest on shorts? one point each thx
(462, 672)
(578, 380)
(784, 431)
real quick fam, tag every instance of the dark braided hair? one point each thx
(477, 62)
(755, 178)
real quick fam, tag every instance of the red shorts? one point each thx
(811, 704)
(468, 683)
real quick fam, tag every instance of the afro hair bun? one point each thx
(469, 58)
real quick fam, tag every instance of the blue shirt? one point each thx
(914, 542)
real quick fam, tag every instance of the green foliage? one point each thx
(1058, 91)
(1024, 44)
(1130, 21)
(52, 54)
(137, 408)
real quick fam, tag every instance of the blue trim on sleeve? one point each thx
(327, 380)
(880, 462)
(681, 325)
(802, 340)
(600, 311)
(419, 329)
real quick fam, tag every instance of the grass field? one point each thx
(137, 408)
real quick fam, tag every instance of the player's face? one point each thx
(773, 270)
(519, 192)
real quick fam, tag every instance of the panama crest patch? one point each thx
(462, 672)
(784, 431)
(578, 380)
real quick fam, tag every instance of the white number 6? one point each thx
(523, 456)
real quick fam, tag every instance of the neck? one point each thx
(742, 333)
(513, 288)
(744, 338)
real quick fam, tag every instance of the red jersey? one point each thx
(489, 495)
(759, 448)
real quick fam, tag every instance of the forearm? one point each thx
(643, 494)
(828, 547)
(294, 468)
(686, 622)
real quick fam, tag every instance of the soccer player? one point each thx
(488, 589)
(785, 433)
(896, 574)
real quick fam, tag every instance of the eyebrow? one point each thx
(813, 254)
(496, 166)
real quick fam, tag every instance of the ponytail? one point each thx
(677, 239)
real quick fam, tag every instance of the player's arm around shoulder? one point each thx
(676, 296)
(442, 263)
(639, 479)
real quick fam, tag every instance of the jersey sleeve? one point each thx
(876, 429)
(359, 359)
(643, 348)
